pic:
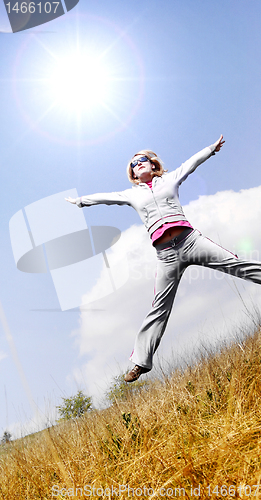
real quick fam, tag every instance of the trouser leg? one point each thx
(198, 250)
(207, 253)
(169, 272)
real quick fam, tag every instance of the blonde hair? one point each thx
(157, 162)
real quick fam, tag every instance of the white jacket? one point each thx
(158, 205)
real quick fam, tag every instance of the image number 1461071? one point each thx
(23, 15)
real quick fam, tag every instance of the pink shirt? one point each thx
(159, 232)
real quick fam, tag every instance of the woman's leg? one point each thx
(207, 253)
(169, 271)
(196, 249)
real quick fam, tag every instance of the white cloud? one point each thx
(42, 418)
(208, 304)
(3, 355)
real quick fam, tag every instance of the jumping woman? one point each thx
(155, 196)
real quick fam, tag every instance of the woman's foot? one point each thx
(135, 373)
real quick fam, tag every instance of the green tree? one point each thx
(6, 437)
(75, 406)
(120, 390)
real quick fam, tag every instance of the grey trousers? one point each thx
(171, 264)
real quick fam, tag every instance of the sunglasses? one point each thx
(142, 159)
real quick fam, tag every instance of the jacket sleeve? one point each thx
(116, 198)
(181, 173)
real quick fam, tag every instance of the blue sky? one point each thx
(182, 73)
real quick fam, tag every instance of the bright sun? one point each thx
(82, 90)
(79, 82)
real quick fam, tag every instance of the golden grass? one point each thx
(195, 428)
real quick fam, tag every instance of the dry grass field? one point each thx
(194, 434)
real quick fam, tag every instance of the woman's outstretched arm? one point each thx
(115, 198)
(190, 165)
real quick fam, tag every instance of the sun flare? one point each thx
(80, 90)
(79, 82)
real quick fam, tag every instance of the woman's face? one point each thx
(143, 169)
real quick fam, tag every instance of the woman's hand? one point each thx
(71, 200)
(218, 145)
